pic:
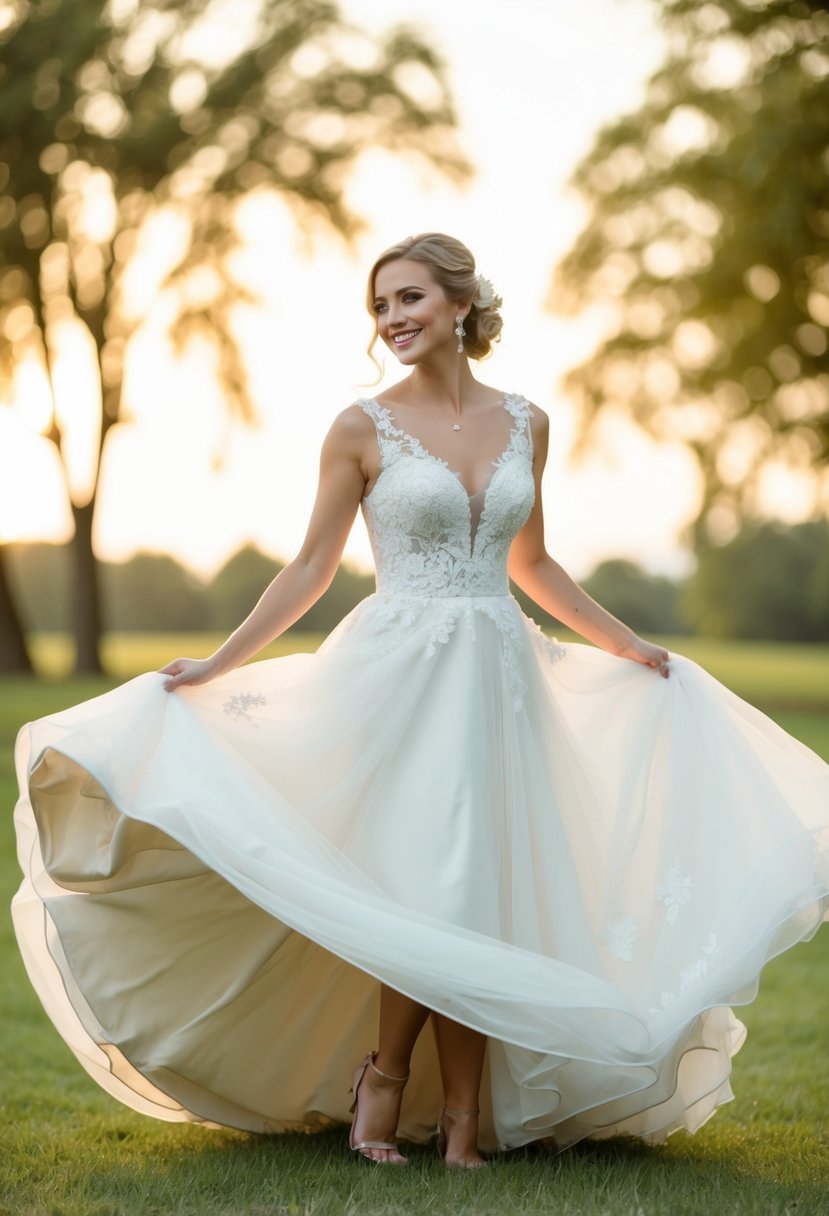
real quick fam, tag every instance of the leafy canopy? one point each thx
(707, 251)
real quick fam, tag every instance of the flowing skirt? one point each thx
(582, 860)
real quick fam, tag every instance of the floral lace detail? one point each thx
(237, 707)
(419, 516)
(551, 647)
(674, 892)
(665, 999)
(433, 565)
(508, 623)
(620, 937)
(394, 617)
(700, 967)
(445, 627)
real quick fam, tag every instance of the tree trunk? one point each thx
(86, 599)
(14, 657)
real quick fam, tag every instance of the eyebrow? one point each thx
(401, 291)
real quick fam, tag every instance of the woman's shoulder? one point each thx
(351, 427)
(538, 419)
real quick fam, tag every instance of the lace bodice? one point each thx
(428, 535)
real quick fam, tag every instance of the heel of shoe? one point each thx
(361, 1146)
(454, 1114)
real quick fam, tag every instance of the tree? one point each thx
(707, 244)
(235, 589)
(42, 577)
(153, 592)
(347, 588)
(108, 113)
(648, 603)
(769, 582)
(240, 582)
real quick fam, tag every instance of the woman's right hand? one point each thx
(188, 671)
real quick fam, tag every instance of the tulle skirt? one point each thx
(582, 860)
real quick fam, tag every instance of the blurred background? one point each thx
(191, 194)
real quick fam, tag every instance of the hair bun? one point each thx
(452, 266)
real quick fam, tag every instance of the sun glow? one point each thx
(178, 476)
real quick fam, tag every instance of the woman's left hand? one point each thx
(644, 652)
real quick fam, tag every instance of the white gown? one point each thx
(584, 861)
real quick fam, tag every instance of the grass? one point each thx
(69, 1150)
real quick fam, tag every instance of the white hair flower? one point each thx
(485, 296)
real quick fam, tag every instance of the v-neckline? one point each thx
(419, 449)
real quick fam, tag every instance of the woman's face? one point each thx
(414, 317)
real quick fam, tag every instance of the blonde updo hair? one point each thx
(453, 268)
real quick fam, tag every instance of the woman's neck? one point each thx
(449, 387)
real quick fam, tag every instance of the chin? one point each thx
(406, 357)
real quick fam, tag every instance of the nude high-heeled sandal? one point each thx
(362, 1145)
(454, 1116)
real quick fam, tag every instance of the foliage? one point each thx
(154, 592)
(153, 587)
(113, 113)
(769, 582)
(705, 251)
(648, 603)
(235, 588)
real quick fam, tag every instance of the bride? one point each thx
(572, 859)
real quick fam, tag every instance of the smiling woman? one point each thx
(570, 859)
(444, 280)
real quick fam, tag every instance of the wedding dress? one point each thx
(585, 861)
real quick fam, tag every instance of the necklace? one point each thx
(456, 426)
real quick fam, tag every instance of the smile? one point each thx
(405, 339)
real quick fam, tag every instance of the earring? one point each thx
(461, 332)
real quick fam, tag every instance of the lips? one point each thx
(404, 339)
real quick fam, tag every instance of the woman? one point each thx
(572, 862)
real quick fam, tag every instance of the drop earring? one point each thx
(460, 331)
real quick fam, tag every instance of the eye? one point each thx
(411, 297)
(378, 308)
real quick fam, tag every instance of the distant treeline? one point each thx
(770, 583)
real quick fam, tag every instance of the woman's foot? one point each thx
(458, 1139)
(376, 1109)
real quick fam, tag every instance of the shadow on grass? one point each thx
(126, 1168)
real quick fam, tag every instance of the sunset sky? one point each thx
(533, 81)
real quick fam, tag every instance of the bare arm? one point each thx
(535, 572)
(301, 583)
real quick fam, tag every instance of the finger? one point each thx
(178, 678)
(171, 669)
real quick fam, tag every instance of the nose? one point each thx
(396, 315)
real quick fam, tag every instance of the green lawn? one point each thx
(69, 1150)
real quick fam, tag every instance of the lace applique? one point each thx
(433, 564)
(552, 647)
(509, 626)
(237, 707)
(674, 892)
(442, 632)
(665, 999)
(620, 937)
(419, 516)
(699, 968)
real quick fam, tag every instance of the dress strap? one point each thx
(390, 439)
(521, 411)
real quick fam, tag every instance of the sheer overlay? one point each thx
(584, 861)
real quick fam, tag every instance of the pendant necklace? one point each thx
(456, 426)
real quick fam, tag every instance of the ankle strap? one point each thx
(387, 1075)
(447, 1110)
